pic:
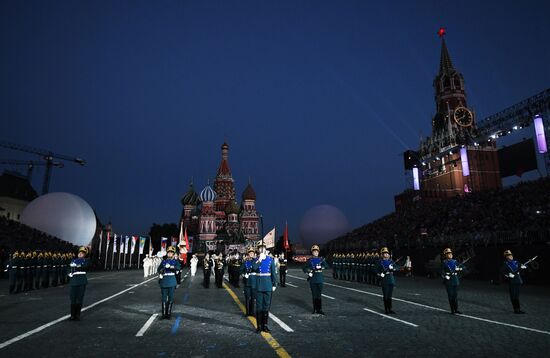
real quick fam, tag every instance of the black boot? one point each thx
(72, 312)
(265, 328)
(77, 312)
(456, 306)
(259, 320)
(517, 308)
(169, 310)
(390, 311)
(163, 310)
(319, 307)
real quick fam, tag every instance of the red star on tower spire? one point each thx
(442, 31)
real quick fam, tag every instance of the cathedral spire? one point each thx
(445, 63)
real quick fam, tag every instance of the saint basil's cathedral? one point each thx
(214, 216)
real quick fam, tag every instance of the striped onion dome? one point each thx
(191, 197)
(208, 194)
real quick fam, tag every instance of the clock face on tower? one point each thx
(463, 116)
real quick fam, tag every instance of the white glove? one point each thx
(382, 274)
(167, 265)
(390, 267)
(161, 276)
(70, 275)
(262, 256)
(310, 274)
(511, 275)
(246, 275)
(447, 277)
(523, 267)
(72, 264)
(274, 288)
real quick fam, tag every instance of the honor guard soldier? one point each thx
(385, 269)
(65, 261)
(511, 271)
(282, 269)
(13, 267)
(207, 270)
(314, 268)
(235, 266)
(450, 270)
(249, 281)
(335, 266)
(167, 280)
(266, 276)
(78, 282)
(55, 269)
(218, 270)
(46, 269)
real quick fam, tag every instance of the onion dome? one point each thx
(232, 208)
(191, 197)
(249, 193)
(208, 194)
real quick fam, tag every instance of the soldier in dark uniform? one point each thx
(78, 282)
(55, 269)
(167, 280)
(32, 271)
(219, 270)
(235, 266)
(266, 276)
(22, 284)
(13, 267)
(385, 269)
(511, 272)
(314, 268)
(46, 269)
(450, 270)
(249, 281)
(282, 269)
(64, 268)
(207, 270)
(38, 275)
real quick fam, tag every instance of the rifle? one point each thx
(530, 260)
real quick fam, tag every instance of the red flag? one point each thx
(184, 255)
(285, 239)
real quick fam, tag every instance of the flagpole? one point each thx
(113, 256)
(119, 253)
(106, 251)
(100, 240)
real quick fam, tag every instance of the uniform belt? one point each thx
(317, 271)
(79, 273)
(169, 274)
(264, 274)
(14, 267)
(253, 273)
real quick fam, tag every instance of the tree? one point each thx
(164, 230)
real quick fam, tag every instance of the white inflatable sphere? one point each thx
(321, 224)
(63, 215)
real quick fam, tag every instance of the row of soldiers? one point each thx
(359, 267)
(28, 271)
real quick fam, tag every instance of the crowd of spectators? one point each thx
(520, 212)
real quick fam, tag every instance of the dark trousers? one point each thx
(387, 291)
(514, 292)
(316, 290)
(452, 292)
(219, 278)
(282, 276)
(167, 294)
(77, 294)
(206, 280)
(263, 300)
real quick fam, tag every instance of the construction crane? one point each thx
(48, 157)
(30, 164)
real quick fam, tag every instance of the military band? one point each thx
(207, 265)
(314, 269)
(282, 269)
(167, 271)
(78, 281)
(218, 270)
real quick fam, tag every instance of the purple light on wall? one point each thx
(464, 160)
(416, 179)
(539, 131)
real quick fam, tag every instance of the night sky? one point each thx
(316, 99)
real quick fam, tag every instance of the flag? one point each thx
(126, 246)
(150, 246)
(269, 239)
(183, 248)
(163, 242)
(286, 245)
(174, 241)
(100, 241)
(141, 244)
(108, 242)
(121, 244)
(134, 240)
(115, 245)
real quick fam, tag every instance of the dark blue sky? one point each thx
(317, 99)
